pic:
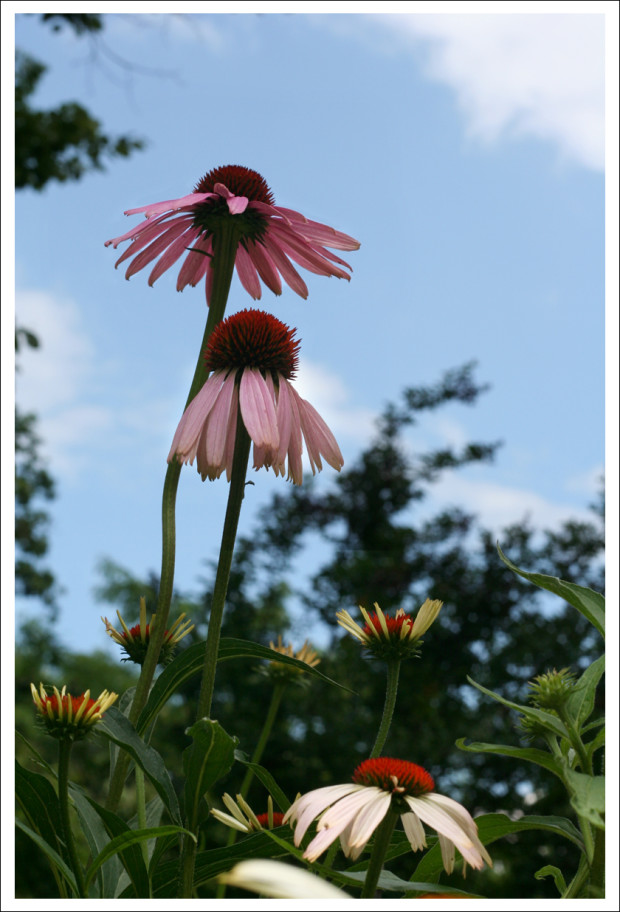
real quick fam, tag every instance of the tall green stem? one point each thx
(391, 690)
(220, 589)
(597, 870)
(229, 533)
(223, 267)
(379, 849)
(64, 752)
(270, 718)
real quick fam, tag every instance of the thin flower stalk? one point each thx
(233, 509)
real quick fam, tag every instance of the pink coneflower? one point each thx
(253, 357)
(354, 810)
(268, 236)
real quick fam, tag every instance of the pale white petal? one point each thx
(231, 822)
(282, 881)
(310, 805)
(414, 830)
(369, 818)
(347, 808)
(447, 854)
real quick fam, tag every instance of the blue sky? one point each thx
(464, 152)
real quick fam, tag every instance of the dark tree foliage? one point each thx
(62, 143)
(33, 485)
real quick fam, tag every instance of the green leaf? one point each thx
(530, 754)
(265, 777)
(550, 722)
(595, 744)
(590, 603)
(118, 729)
(130, 837)
(130, 856)
(580, 704)
(153, 812)
(38, 801)
(213, 862)
(495, 826)
(205, 761)
(191, 661)
(587, 795)
(552, 871)
(231, 648)
(392, 883)
(97, 838)
(51, 854)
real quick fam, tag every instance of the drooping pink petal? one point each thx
(299, 249)
(195, 264)
(285, 267)
(154, 249)
(289, 423)
(172, 254)
(258, 409)
(194, 417)
(315, 232)
(217, 428)
(182, 203)
(265, 266)
(147, 227)
(264, 455)
(319, 439)
(229, 450)
(247, 273)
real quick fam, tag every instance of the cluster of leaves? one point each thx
(65, 142)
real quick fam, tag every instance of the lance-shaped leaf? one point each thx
(595, 744)
(580, 703)
(130, 856)
(118, 729)
(97, 838)
(191, 661)
(587, 796)
(215, 861)
(494, 826)
(129, 838)
(547, 720)
(206, 760)
(392, 883)
(552, 871)
(39, 803)
(267, 780)
(530, 754)
(590, 603)
(51, 854)
(154, 810)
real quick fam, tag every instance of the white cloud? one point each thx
(52, 375)
(326, 391)
(498, 505)
(520, 75)
(63, 382)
